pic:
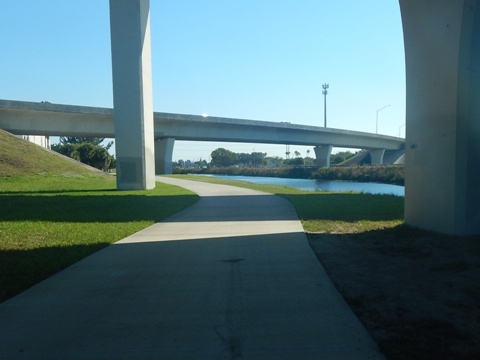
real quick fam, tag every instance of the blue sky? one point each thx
(250, 59)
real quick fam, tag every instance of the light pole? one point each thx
(376, 124)
(325, 92)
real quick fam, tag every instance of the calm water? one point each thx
(312, 185)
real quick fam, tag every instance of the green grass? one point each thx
(327, 212)
(54, 212)
(44, 230)
(20, 158)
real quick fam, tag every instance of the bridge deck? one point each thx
(28, 118)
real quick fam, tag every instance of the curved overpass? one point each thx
(21, 117)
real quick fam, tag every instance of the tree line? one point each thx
(223, 158)
(93, 152)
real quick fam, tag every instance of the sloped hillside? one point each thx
(20, 158)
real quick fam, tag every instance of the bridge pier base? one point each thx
(322, 155)
(442, 51)
(132, 94)
(376, 156)
(163, 155)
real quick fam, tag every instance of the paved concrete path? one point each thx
(232, 277)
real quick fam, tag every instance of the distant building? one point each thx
(43, 141)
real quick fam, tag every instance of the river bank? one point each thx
(314, 185)
(385, 174)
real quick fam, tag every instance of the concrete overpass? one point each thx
(20, 117)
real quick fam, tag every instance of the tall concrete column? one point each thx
(376, 156)
(322, 155)
(163, 155)
(132, 93)
(442, 50)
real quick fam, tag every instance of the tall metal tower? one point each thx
(325, 92)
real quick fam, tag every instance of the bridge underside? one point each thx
(442, 50)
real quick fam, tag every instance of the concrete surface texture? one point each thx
(232, 277)
(442, 61)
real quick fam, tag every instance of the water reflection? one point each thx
(323, 185)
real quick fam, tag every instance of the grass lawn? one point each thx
(329, 212)
(51, 221)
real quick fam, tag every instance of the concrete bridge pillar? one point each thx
(442, 50)
(376, 156)
(322, 155)
(132, 94)
(163, 155)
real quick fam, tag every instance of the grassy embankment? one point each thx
(54, 212)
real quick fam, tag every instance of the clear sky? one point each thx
(249, 59)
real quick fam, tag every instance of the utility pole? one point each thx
(325, 92)
(287, 152)
(376, 122)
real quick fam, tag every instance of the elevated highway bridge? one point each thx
(30, 118)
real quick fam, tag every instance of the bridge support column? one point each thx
(132, 93)
(442, 50)
(376, 156)
(163, 155)
(322, 155)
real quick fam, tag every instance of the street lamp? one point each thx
(376, 127)
(325, 92)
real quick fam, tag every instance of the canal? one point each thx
(321, 185)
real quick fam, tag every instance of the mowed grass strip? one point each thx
(48, 222)
(329, 212)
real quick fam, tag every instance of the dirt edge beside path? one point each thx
(417, 293)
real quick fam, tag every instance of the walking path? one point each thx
(232, 277)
